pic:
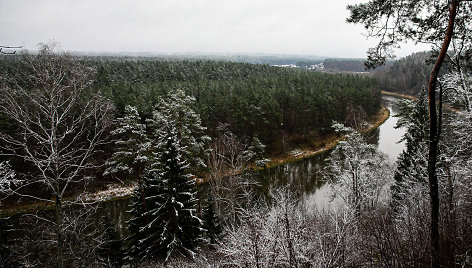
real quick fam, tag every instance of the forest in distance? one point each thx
(225, 116)
(188, 141)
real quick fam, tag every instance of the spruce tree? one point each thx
(169, 226)
(176, 113)
(258, 149)
(413, 161)
(133, 156)
(132, 146)
(135, 224)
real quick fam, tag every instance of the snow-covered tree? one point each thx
(357, 170)
(285, 234)
(171, 227)
(137, 222)
(7, 178)
(59, 124)
(229, 156)
(258, 148)
(133, 148)
(413, 161)
(457, 89)
(456, 165)
(176, 113)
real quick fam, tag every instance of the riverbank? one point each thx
(404, 96)
(313, 147)
(398, 95)
(324, 144)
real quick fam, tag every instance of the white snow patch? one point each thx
(113, 191)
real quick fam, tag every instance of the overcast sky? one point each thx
(311, 27)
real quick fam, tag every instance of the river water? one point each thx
(302, 177)
(389, 136)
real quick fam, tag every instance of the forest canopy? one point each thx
(255, 100)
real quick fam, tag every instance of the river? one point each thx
(302, 177)
(389, 136)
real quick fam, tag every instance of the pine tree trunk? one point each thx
(434, 138)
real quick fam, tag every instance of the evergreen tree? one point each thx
(132, 147)
(132, 153)
(135, 224)
(413, 161)
(170, 226)
(258, 149)
(176, 113)
(211, 221)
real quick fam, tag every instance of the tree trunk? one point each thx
(434, 137)
(59, 233)
(141, 191)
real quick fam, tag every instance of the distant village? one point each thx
(314, 67)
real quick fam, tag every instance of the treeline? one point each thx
(255, 100)
(270, 59)
(70, 122)
(279, 107)
(344, 65)
(407, 75)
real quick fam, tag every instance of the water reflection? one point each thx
(117, 212)
(389, 136)
(304, 177)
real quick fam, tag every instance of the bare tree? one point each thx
(8, 179)
(228, 158)
(455, 168)
(358, 171)
(286, 235)
(59, 123)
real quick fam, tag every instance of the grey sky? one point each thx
(312, 27)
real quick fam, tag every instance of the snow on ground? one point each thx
(113, 191)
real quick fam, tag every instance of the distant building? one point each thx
(286, 65)
(319, 66)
